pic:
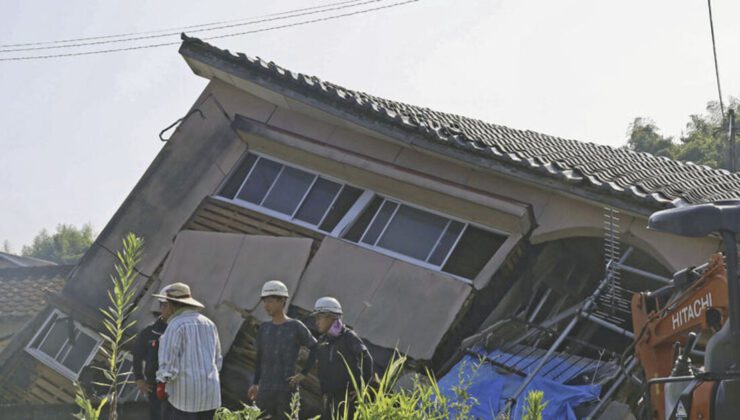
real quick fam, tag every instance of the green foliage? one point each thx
(249, 412)
(89, 410)
(66, 246)
(121, 299)
(464, 402)
(644, 136)
(705, 140)
(535, 406)
(295, 406)
(423, 400)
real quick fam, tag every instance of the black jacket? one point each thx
(334, 355)
(146, 346)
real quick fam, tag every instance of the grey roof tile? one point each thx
(22, 289)
(640, 176)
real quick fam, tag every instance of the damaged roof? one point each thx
(22, 289)
(653, 181)
(11, 260)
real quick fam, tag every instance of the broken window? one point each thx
(289, 192)
(64, 345)
(437, 241)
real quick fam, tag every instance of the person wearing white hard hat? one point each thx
(278, 343)
(189, 357)
(340, 352)
(146, 361)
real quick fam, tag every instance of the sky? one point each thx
(77, 133)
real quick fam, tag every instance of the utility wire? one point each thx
(716, 66)
(169, 34)
(179, 29)
(163, 44)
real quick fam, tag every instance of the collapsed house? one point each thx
(435, 231)
(24, 282)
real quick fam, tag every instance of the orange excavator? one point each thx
(699, 305)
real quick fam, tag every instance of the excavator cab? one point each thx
(715, 392)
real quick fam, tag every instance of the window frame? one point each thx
(352, 214)
(138, 395)
(291, 218)
(51, 361)
(412, 260)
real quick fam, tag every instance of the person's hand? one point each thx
(295, 380)
(144, 387)
(161, 392)
(252, 393)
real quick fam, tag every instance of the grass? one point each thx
(422, 400)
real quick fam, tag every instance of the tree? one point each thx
(705, 140)
(644, 136)
(66, 246)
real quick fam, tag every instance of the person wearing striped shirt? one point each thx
(189, 358)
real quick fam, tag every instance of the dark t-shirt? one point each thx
(277, 352)
(335, 354)
(145, 350)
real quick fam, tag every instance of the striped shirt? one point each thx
(189, 361)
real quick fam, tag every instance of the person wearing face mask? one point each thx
(340, 352)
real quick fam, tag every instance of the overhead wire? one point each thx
(179, 28)
(163, 44)
(282, 16)
(716, 65)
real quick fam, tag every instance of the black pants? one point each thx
(175, 414)
(156, 406)
(274, 404)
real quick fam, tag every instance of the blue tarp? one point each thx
(492, 388)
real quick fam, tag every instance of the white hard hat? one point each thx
(328, 305)
(274, 288)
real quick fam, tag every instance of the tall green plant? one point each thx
(535, 406)
(116, 325)
(464, 402)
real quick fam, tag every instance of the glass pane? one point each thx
(475, 248)
(448, 239)
(260, 180)
(237, 177)
(341, 206)
(379, 223)
(318, 201)
(126, 367)
(125, 375)
(79, 353)
(67, 347)
(413, 232)
(289, 189)
(56, 338)
(47, 327)
(360, 225)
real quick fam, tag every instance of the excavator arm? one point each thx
(658, 328)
